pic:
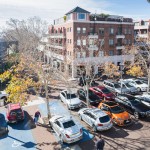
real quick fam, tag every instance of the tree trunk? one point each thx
(47, 102)
(148, 80)
(87, 94)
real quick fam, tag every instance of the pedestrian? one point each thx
(100, 143)
(37, 116)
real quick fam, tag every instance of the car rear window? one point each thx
(16, 111)
(104, 119)
(68, 124)
(71, 96)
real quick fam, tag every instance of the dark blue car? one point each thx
(3, 125)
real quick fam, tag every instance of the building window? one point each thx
(125, 41)
(145, 32)
(111, 53)
(67, 29)
(91, 30)
(136, 23)
(83, 54)
(91, 54)
(129, 41)
(84, 42)
(111, 42)
(68, 16)
(70, 41)
(125, 31)
(81, 16)
(101, 53)
(129, 31)
(78, 54)
(111, 30)
(119, 52)
(83, 30)
(70, 29)
(78, 42)
(78, 30)
(101, 31)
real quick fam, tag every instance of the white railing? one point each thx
(57, 35)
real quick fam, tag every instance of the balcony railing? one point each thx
(57, 35)
(120, 35)
(93, 35)
(56, 45)
(93, 47)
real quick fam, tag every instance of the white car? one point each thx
(3, 95)
(66, 128)
(138, 84)
(70, 99)
(96, 118)
(145, 98)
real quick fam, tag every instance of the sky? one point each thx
(51, 9)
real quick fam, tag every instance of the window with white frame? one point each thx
(78, 54)
(84, 42)
(90, 53)
(111, 42)
(101, 31)
(83, 30)
(69, 17)
(81, 16)
(111, 52)
(129, 31)
(78, 30)
(91, 42)
(111, 30)
(83, 54)
(78, 42)
(125, 31)
(101, 53)
(70, 29)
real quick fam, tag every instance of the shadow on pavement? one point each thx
(27, 124)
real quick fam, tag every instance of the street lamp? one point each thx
(121, 71)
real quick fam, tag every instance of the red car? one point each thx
(103, 93)
(15, 113)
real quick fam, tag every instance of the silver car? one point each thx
(96, 118)
(66, 128)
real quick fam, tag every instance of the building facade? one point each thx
(80, 39)
(142, 29)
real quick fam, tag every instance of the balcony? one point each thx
(119, 35)
(57, 35)
(92, 35)
(56, 45)
(119, 46)
(141, 27)
(54, 55)
(93, 47)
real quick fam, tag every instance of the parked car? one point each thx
(70, 99)
(15, 113)
(66, 128)
(3, 95)
(145, 98)
(132, 89)
(115, 87)
(138, 84)
(3, 125)
(95, 118)
(133, 106)
(143, 79)
(103, 92)
(118, 115)
(93, 98)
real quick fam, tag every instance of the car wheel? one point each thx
(139, 90)
(68, 107)
(94, 128)
(136, 115)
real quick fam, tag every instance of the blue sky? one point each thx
(51, 9)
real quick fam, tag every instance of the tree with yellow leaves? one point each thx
(136, 71)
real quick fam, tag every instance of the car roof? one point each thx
(110, 103)
(111, 81)
(63, 119)
(100, 87)
(13, 106)
(97, 112)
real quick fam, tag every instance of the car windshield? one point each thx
(139, 82)
(116, 110)
(105, 91)
(68, 124)
(136, 102)
(104, 119)
(128, 85)
(71, 96)
(117, 85)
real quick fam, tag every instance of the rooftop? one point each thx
(78, 10)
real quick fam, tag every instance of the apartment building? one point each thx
(142, 29)
(81, 39)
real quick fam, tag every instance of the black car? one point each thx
(3, 125)
(133, 105)
(93, 98)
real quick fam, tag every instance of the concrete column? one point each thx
(74, 70)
